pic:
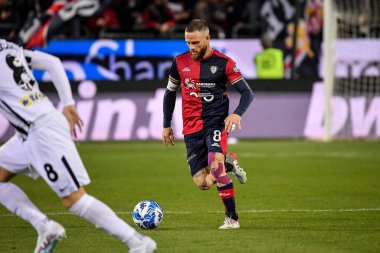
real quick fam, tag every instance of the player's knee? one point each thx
(202, 184)
(5, 175)
(214, 159)
(70, 200)
(200, 180)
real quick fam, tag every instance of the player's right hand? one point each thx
(231, 122)
(74, 119)
(168, 136)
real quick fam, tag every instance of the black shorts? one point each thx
(199, 144)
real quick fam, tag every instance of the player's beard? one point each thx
(200, 55)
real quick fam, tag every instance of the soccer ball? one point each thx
(147, 214)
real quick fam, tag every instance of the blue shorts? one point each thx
(199, 144)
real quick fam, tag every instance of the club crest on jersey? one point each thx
(236, 69)
(213, 69)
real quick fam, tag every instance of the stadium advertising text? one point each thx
(138, 115)
(358, 115)
(137, 59)
(140, 60)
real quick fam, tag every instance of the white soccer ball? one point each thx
(147, 214)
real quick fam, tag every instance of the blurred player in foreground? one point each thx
(202, 74)
(43, 146)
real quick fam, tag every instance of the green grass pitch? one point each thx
(300, 197)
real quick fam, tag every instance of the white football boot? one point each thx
(237, 171)
(147, 246)
(230, 224)
(49, 235)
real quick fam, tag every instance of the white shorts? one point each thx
(49, 152)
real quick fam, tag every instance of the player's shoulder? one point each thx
(183, 59)
(4, 44)
(183, 56)
(221, 55)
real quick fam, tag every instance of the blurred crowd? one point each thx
(290, 30)
(32, 23)
(140, 18)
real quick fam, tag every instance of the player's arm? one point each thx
(52, 64)
(169, 105)
(246, 96)
(170, 96)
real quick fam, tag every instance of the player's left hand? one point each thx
(231, 122)
(168, 136)
(74, 119)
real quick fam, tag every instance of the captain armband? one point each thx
(173, 86)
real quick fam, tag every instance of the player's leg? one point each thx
(62, 168)
(197, 160)
(16, 201)
(102, 216)
(13, 198)
(216, 140)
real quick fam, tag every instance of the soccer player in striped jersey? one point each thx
(43, 146)
(202, 74)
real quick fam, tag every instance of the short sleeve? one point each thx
(173, 72)
(233, 72)
(174, 82)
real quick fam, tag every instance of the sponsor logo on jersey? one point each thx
(191, 84)
(236, 69)
(186, 69)
(208, 97)
(213, 69)
(32, 98)
(215, 144)
(191, 157)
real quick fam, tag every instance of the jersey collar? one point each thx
(208, 56)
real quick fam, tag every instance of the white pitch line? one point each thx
(240, 211)
(307, 154)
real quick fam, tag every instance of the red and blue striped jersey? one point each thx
(203, 83)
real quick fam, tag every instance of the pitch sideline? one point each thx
(240, 211)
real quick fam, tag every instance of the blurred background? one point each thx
(117, 54)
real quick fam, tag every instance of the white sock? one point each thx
(103, 217)
(16, 201)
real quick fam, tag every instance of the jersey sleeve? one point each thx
(52, 64)
(174, 82)
(233, 72)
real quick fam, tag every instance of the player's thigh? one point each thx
(53, 154)
(216, 140)
(196, 152)
(12, 159)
